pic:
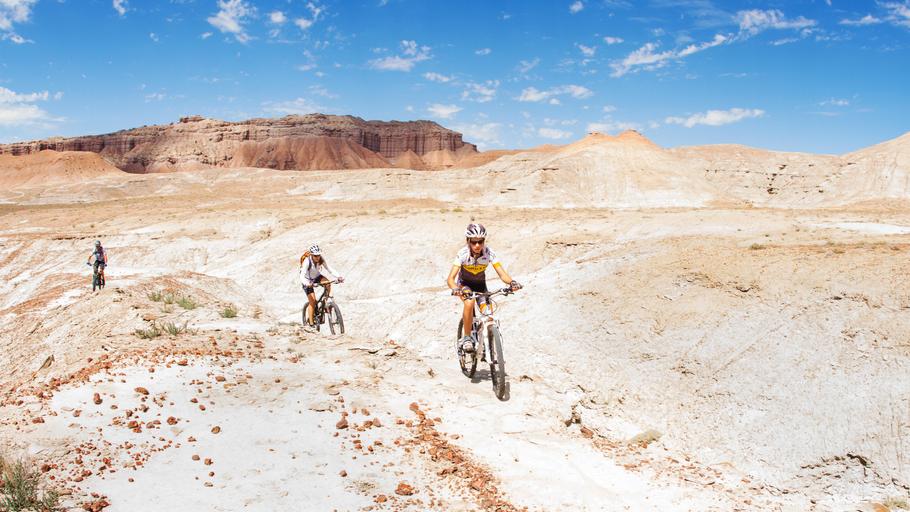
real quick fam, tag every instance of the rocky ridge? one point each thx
(313, 141)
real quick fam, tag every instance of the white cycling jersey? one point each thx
(310, 271)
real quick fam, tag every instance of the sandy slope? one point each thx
(764, 348)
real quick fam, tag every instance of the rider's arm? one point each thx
(501, 272)
(326, 269)
(452, 274)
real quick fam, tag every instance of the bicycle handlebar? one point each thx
(503, 291)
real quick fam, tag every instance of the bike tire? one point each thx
(95, 283)
(468, 362)
(335, 319)
(497, 363)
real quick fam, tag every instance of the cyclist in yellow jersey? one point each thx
(468, 274)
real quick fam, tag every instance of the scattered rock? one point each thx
(404, 489)
(342, 423)
(97, 399)
(216, 430)
(141, 390)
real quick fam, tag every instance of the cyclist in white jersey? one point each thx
(468, 274)
(314, 269)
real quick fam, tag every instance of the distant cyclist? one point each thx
(469, 275)
(314, 269)
(100, 256)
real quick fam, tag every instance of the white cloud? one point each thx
(715, 117)
(898, 13)
(437, 77)
(322, 91)
(865, 20)
(613, 40)
(443, 111)
(277, 17)
(154, 37)
(305, 23)
(11, 12)
(20, 110)
(578, 92)
(299, 106)
(483, 134)
(481, 93)
(836, 102)
(611, 126)
(155, 96)
(576, 7)
(587, 51)
(609, 108)
(648, 58)
(754, 21)
(553, 133)
(120, 7)
(230, 18)
(483, 51)
(205, 35)
(527, 65)
(412, 55)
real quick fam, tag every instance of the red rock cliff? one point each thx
(314, 141)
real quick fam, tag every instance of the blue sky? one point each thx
(825, 76)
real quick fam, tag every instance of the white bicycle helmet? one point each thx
(475, 230)
(315, 250)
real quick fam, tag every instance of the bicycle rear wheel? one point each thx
(336, 322)
(497, 363)
(468, 361)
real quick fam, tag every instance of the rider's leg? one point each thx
(311, 309)
(328, 286)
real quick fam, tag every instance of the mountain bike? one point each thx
(97, 277)
(487, 341)
(326, 311)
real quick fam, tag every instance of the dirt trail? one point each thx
(659, 359)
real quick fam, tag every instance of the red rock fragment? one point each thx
(171, 420)
(141, 390)
(97, 399)
(342, 423)
(404, 489)
(216, 430)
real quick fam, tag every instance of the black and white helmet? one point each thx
(315, 250)
(475, 230)
(97, 243)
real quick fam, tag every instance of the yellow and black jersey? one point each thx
(473, 270)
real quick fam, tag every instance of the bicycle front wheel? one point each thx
(336, 322)
(468, 361)
(497, 363)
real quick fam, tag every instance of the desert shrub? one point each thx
(174, 329)
(187, 303)
(156, 296)
(20, 488)
(152, 332)
(229, 312)
(756, 247)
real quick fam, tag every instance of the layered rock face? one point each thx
(314, 141)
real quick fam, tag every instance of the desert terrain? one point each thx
(702, 328)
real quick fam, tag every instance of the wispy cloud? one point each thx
(715, 117)
(277, 18)
(443, 111)
(17, 109)
(835, 102)
(865, 20)
(587, 51)
(480, 92)
(437, 77)
(576, 7)
(412, 53)
(648, 58)
(298, 106)
(612, 40)
(553, 133)
(315, 12)
(755, 21)
(532, 94)
(120, 6)
(231, 17)
(525, 66)
(611, 126)
(483, 134)
(12, 12)
(483, 51)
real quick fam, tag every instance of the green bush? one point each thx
(20, 489)
(155, 296)
(152, 332)
(229, 312)
(174, 329)
(187, 303)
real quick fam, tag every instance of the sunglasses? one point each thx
(476, 242)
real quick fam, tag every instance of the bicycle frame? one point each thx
(483, 316)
